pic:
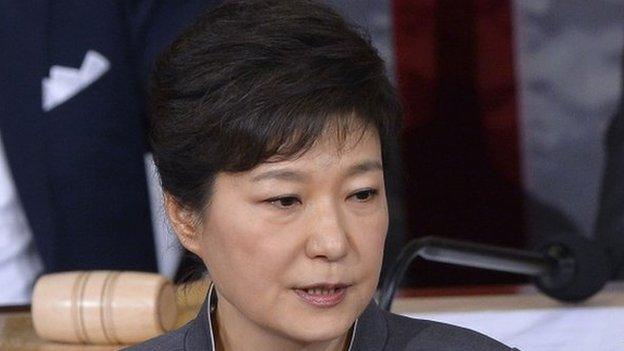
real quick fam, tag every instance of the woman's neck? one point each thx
(233, 331)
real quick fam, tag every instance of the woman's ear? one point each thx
(184, 222)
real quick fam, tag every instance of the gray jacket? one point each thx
(375, 330)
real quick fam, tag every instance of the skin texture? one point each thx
(288, 224)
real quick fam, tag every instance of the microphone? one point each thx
(568, 268)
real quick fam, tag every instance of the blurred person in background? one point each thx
(73, 190)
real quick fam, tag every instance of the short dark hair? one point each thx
(252, 80)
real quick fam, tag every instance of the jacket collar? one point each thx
(199, 335)
(369, 331)
(372, 330)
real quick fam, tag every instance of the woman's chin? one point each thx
(309, 327)
(317, 333)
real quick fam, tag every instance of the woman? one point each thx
(269, 127)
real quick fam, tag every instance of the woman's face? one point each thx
(296, 246)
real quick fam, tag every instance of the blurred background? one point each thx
(508, 105)
(513, 130)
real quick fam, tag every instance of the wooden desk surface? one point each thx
(17, 333)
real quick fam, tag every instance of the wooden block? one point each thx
(103, 307)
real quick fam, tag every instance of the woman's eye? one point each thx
(364, 195)
(284, 202)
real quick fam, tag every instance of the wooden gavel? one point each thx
(103, 307)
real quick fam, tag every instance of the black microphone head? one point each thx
(581, 268)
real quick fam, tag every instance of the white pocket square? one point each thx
(65, 82)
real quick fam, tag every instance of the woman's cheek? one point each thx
(376, 238)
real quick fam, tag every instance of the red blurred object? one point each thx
(455, 68)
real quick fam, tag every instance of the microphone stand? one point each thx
(555, 268)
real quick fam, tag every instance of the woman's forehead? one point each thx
(338, 136)
(362, 148)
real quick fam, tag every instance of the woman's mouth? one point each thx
(322, 295)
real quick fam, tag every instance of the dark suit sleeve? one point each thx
(154, 24)
(610, 221)
(151, 25)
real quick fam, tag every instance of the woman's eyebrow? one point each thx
(281, 174)
(363, 167)
(300, 177)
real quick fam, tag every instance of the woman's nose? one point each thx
(328, 237)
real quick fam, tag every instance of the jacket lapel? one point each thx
(371, 331)
(22, 122)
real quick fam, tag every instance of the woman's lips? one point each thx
(322, 297)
